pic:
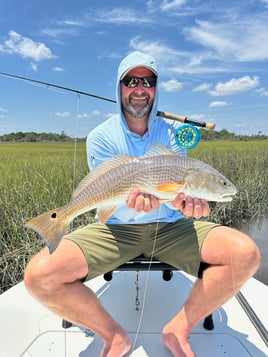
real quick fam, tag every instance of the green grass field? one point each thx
(36, 177)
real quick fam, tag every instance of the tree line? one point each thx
(206, 135)
(34, 137)
(224, 134)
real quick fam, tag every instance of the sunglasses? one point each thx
(132, 82)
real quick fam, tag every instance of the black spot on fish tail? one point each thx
(53, 215)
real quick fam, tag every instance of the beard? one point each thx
(137, 111)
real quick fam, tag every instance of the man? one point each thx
(231, 256)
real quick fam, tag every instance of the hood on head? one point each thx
(136, 59)
(133, 60)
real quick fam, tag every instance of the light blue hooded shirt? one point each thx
(113, 137)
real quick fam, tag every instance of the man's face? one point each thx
(138, 101)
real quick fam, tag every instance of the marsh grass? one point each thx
(246, 165)
(40, 176)
(33, 179)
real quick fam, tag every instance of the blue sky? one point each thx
(212, 58)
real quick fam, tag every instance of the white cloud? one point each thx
(34, 66)
(58, 69)
(96, 112)
(83, 116)
(72, 22)
(235, 85)
(3, 111)
(171, 5)
(110, 115)
(89, 115)
(209, 35)
(72, 27)
(196, 60)
(197, 116)
(25, 47)
(172, 60)
(262, 90)
(119, 16)
(59, 31)
(151, 7)
(217, 104)
(240, 38)
(156, 49)
(62, 114)
(202, 87)
(171, 86)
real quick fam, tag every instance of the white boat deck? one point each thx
(28, 329)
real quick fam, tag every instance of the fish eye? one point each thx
(224, 183)
(54, 215)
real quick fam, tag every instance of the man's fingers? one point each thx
(142, 201)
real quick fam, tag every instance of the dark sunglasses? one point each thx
(132, 82)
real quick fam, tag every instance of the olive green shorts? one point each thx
(108, 246)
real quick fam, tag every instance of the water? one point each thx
(258, 232)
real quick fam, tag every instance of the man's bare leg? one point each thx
(234, 258)
(57, 285)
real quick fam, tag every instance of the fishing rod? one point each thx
(182, 119)
(56, 86)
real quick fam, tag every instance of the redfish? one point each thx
(160, 172)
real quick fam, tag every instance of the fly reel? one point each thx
(187, 136)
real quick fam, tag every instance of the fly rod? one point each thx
(56, 86)
(182, 119)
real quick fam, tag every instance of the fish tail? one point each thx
(50, 227)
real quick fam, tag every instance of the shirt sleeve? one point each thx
(98, 150)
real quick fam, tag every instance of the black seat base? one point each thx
(142, 263)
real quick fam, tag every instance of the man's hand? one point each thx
(142, 202)
(191, 207)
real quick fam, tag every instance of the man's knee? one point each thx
(246, 260)
(225, 245)
(37, 273)
(46, 272)
(252, 256)
(246, 251)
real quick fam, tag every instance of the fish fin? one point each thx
(101, 170)
(104, 212)
(50, 228)
(169, 187)
(158, 149)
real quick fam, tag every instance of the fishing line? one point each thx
(75, 138)
(146, 285)
(73, 183)
(65, 343)
(232, 270)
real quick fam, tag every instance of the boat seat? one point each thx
(142, 263)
